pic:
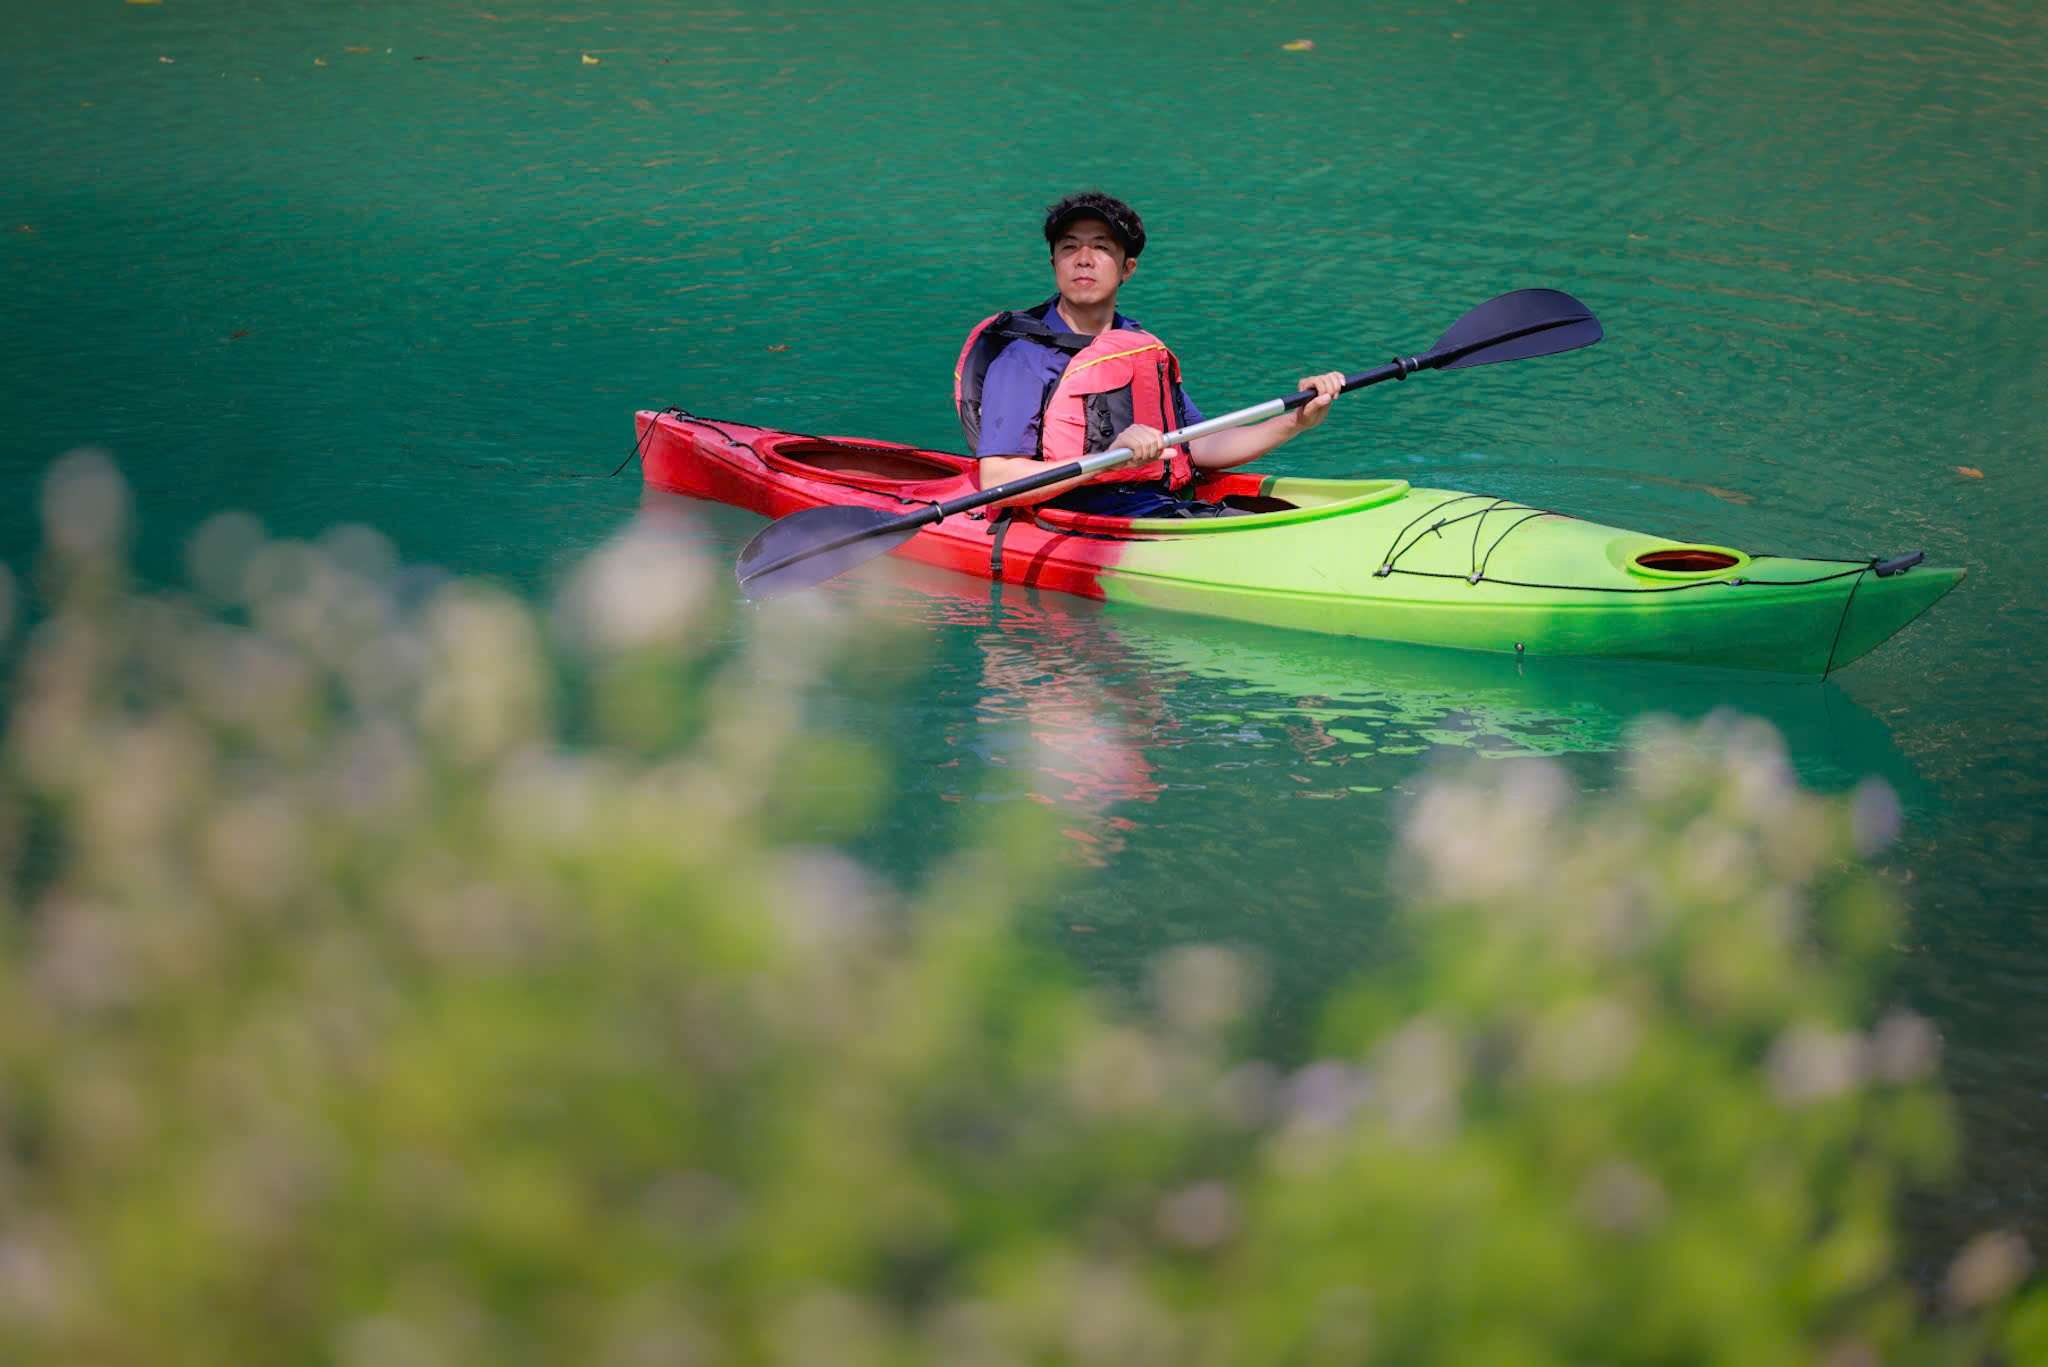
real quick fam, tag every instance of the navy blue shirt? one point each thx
(1018, 383)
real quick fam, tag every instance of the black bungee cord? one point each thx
(1391, 563)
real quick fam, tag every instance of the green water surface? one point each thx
(415, 265)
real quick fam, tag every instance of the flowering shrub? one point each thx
(392, 975)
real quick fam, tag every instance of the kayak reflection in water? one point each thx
(1073, 376)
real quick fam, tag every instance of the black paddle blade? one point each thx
(813, 545)
(1516, 326)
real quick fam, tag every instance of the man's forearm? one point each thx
(1002, 469)
(1236, 445)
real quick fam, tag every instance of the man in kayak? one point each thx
(1073, 376)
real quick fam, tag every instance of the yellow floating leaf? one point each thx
(1298, 45)
(589, 60)
(318, 62)
(1969, 472)
(355, 49)
(167, 59)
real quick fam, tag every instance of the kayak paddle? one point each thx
(814, 544)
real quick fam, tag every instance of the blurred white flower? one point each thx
(1203, 988)
(85, 503)
(645, 587)
(1120, 1070)
(1321, 1096)
(217, 555)
(1621, 1198)
(825, 900)
(1480, 842)
(1987, 1269)
(1245, 1097)
(1905, 1048)
(1202, 1216)
(1808, 1063)
(1420, 1074)
(484, 689)
(1582, 1043)
(829, 1327)
(1875, 816)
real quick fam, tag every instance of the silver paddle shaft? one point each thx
(1397, 369)
(1116, 455)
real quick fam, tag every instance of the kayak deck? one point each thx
(1374, 558)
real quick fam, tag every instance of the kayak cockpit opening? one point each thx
(885, 463)
(1686, 562)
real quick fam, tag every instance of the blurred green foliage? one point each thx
(392, 975)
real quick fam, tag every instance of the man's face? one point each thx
(1088, 263)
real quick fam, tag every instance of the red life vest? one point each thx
(1125, 375)
(1110, 381)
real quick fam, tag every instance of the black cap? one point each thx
(1124, 224)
